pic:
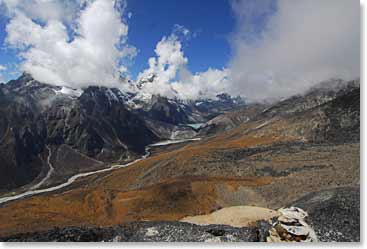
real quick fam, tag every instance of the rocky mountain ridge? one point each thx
(103, 124)
(96, 123)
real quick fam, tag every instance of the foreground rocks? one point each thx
(291, 226)
(334, 214)
(150, 232)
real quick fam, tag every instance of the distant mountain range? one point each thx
(95, 125)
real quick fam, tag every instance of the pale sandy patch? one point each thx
(237, 216)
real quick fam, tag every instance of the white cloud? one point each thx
(201, 85)
(2, 68)
(91, 56)
(165, 66)
(44, 10)
(304, 42)
(173, 79)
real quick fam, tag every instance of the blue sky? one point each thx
(8, 56)
(211, 22)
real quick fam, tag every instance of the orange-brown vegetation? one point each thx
(193, 180)
(171, 199)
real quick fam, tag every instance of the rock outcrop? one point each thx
(149, 232)
(334, 214)
(291, 226)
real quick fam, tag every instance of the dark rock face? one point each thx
(335, 121)
(168, 131)
(167, 111)
(33, 114)
(175, 111)
(174, 116)
(149, 79)
(230, 120)
(99, 125)
(343, 114)
(150, 232)
(329, 111)
(22, 139)
(222, 103)
(334, 214)
(318, 95)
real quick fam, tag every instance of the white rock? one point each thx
(151, 231)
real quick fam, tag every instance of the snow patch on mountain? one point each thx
(69, 91)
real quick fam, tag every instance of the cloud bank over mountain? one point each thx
(302, 43)
(279, 48)
(65, 43)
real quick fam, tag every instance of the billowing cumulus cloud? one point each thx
(44, 10)
(168, 75)
(301, 43)
(164, 68)
(70, 43)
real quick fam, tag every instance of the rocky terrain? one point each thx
(303, 151)
(333, 213)
(149, 232)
